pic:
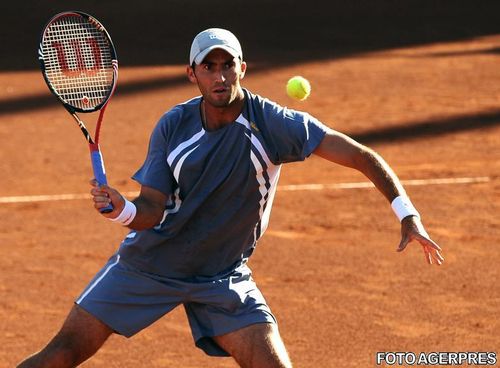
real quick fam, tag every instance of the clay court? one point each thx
(427, 99)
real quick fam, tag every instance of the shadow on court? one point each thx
(272, 32)
(430, 128)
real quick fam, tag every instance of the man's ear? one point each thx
(191, 75)
(243, 69)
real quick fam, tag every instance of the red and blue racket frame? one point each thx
(79, 64)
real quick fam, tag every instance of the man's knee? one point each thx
(79, 338)
(258, 345)
(62, 351)
(72, 347)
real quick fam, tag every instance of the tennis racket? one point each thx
(79, 64)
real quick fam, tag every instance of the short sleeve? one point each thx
(155, 172)
(294, 134)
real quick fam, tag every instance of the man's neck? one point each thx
(215, 118)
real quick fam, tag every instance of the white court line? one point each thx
(54, 197)
(359, 185)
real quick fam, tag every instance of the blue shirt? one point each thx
(220, 185)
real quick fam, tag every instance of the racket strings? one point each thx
(78, 61)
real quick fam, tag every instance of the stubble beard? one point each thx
(234, 96)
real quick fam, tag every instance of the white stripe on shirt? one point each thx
(195, 138)
(243, 121)
(273, 171)
(178, 166)
(274, 174)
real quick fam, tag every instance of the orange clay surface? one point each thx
(327, 264)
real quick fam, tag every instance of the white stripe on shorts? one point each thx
(91, 287)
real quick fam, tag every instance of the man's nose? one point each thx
(219, 76)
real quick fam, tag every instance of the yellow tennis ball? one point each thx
(298, 88)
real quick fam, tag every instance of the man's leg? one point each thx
(79, 338)
(259, 345)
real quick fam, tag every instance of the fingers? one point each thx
(101, 194)
(425, 240)
(99, 191)
(432, 255)
(430, 248)
(402, 245)
(427, 255)
(100, 197)
(439, 258)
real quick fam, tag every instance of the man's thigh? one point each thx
(259, 345)
(83, 330)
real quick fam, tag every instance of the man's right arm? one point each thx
(150, 205)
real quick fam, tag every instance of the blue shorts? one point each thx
(128, 300)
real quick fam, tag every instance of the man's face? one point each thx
(218, 78)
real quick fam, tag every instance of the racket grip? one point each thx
(99, 171)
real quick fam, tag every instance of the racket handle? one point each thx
(99, 171)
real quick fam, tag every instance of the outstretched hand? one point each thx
(103, 195)
(412, 229)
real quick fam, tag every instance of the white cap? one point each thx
(211, 39)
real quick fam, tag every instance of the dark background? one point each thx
(147, 32)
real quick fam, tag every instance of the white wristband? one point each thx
(127, 215)
(403, 207)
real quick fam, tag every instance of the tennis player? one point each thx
(207, 188)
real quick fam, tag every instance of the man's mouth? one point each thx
(219, 90)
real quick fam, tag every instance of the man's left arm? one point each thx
(343, 150)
